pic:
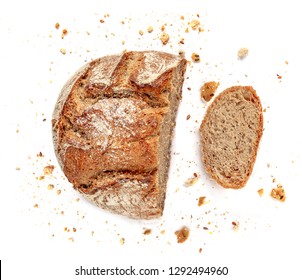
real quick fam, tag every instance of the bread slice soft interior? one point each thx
(230, 134)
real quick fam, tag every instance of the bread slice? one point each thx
(112, 130)
(230, 134)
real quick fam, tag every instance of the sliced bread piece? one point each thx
(230, 134)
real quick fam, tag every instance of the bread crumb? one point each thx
(260, 192)
(242, 53)
(279, 76)
(71, 239)
(200, 250)
(208, 90)
(147, 231)
(64, 33)
(63, 51)
(163, 231)
(182, 234)
(36, 205)
(150, 29)
(48, 169)
(191, 181)
(50, 187)
(40, 154)
(74, 229)
(57, 25)
(141, 32)
(18, 168)
(201, 200)
(162, 28)
(122, 241)
(182, 17)
(188, 117)
(59, 192)
(235, 225)
(195, 57)
(102, 21)
(194, 24)
(164, 37)
(278, 193)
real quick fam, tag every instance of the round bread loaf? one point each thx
(112, 128)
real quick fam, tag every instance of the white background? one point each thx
(34, 243)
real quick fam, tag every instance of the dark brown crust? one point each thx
(106, 128)
(257, 102)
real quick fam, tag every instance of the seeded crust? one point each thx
(112, 129)
(230, 134)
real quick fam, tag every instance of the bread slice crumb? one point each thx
(242, 53)
(182, 234)
(201, 200)
(47, 170)
(195, 57)
(278, 193)
(191, 181)
(194, 24)
(150, 29)
(164, 37)
(147, 231)
(260, 192)
(122, 241)
(208, 90)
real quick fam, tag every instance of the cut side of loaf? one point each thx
(230, 134)
(112, 130)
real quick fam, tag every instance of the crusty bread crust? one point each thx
(233, 179)
(108, 124)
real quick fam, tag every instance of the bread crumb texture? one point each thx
(164, 37)
(191, 181)
(242, 53)
(278, 193)
(207, 91)
(182, 234)
(201, 200)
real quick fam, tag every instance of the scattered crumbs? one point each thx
(92, 233)
(59, 192)
(264, 110)
(201, 200)
(48, 169)
(208, 90)
(182, 234)
(40, 154)
(260, 192)
(64, 33)
(182, 41)
(102, 21)
(150, 29)
(147, 231)
(200, 29)
(187, 30)
(50, 187)
(162, 28)
(123, 42)
(235, 225)
(63, 51)
(191, 181)
(77, 199)
(18, 168)
(141, 32)
(163, 231)
(188, 117)
(164, 37)
(194, 24)
(36, 205)
(274, 180)
(286, 62)
(278, 193)
(200, 250)
(195, 57)
(182, 17)
(122, 241)
(74, 229)
(279, 76)
(57, 25)
(71, 239)
(242, 53)
(205, 228)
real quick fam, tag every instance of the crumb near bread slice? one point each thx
(230, 134)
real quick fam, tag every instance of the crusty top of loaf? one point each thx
(108, 114)
(230, 135)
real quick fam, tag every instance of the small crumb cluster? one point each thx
(182, 234)
(208, 90)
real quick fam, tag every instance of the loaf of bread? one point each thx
(112, 129)
(230, 134)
